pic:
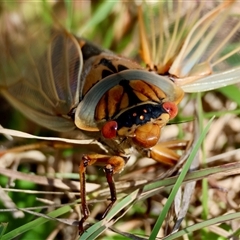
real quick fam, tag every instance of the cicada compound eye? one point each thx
(171, 108)
(109, 129)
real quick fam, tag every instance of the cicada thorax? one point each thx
(132, 108)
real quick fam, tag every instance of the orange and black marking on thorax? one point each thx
(126, 95)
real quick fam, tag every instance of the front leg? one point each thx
(165, 152)
(112, 165)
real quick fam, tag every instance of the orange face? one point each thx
(147, 135)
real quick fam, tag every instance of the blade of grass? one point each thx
(226, 170)
(28, 226)
(3, 228)
(204, 224)
(180, 179)
(100, 227)
(205, 211)
(45, 13)
(101, 13)
(69, 7)
(231, 92)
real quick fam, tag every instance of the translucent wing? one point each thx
(40, 69)
(196, 43)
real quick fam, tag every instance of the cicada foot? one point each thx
(113, 164)
(165, 152)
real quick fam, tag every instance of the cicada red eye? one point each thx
(109, 130)
(171, 108)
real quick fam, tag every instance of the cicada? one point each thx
(64, 82)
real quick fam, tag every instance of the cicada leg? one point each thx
(165, 152)
(112, 165)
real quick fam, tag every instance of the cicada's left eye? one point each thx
(109, 130)
(171, 109)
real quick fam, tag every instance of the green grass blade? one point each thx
(39, 221)
(101, 13)
(180, 179)
(3, 228)
(101, 226)
(204, 224)
(69, 20)
(232, 92)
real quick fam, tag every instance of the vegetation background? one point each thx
(113, 25)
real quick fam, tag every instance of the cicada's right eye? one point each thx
(171, 108)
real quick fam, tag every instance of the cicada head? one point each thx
(142, 123)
